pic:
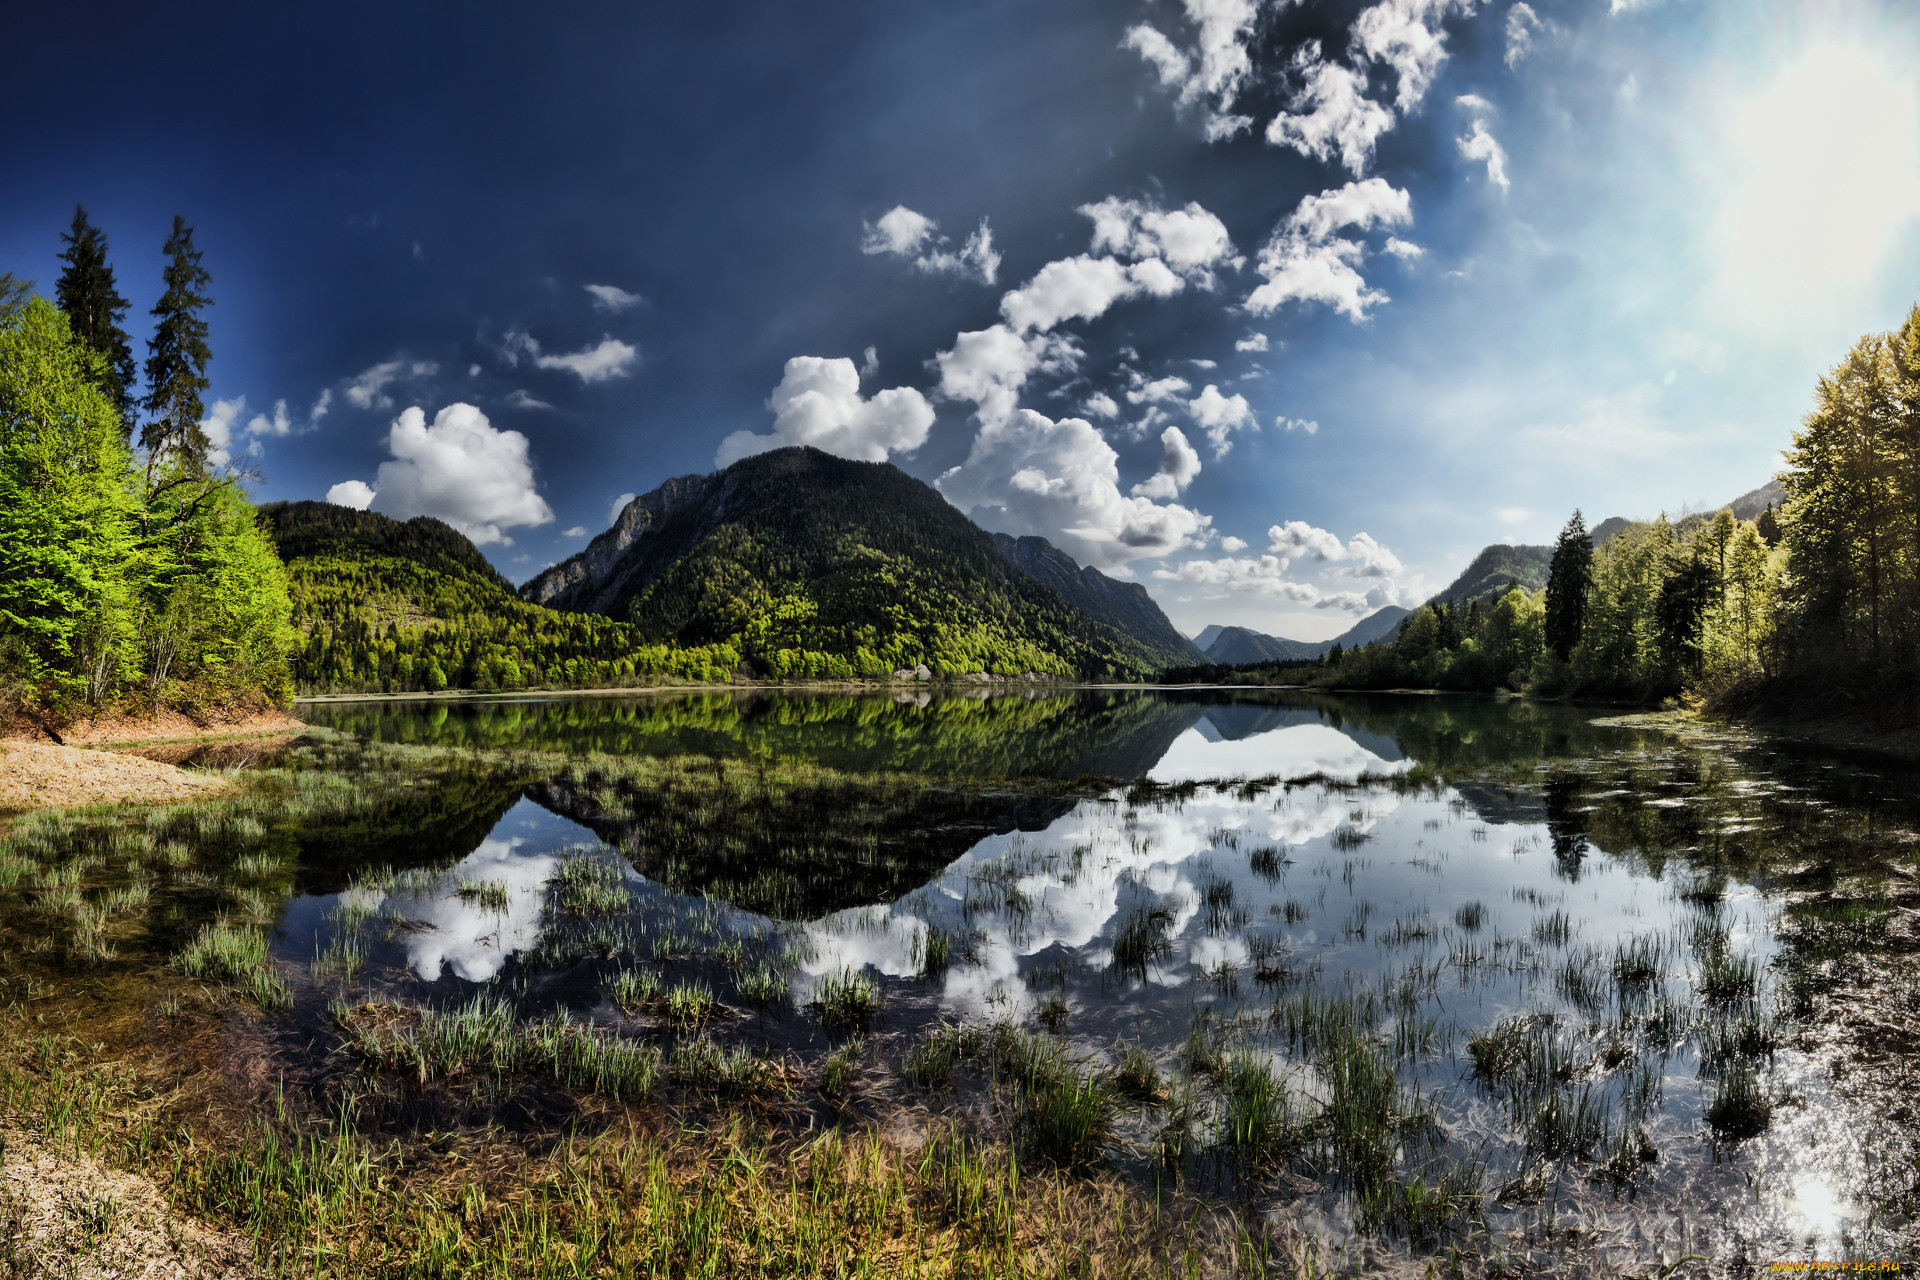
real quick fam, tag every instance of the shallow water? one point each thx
(1649, 916)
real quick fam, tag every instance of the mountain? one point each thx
(1125, 607)
(807, 564)
(387, 606)
(1207, 636)
(1495, 569)
(1749, 505)
(1378, 625)
(1239, 646)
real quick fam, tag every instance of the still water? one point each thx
(1642, 988)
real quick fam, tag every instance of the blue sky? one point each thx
(1282, 310)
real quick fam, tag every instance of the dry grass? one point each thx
(35, 775)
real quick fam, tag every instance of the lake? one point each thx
(1403, 971)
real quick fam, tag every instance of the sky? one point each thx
(1283, 310)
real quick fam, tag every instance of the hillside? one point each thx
(1238, 646)
(1496, 569)
(386, 606)
(811, 565)
(1125, 607)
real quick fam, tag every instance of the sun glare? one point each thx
(1821, 185)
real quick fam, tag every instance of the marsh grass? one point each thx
(1727, 976)
(846, 1001)
(1142, 939)
(837, 1073)
(488, 895)
(1741, 1106)
(223, 951)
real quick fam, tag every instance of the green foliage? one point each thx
(1568, 579)
(87, 293)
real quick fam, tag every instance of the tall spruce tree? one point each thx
(1568, 577)
(177, 358)
(86, 291)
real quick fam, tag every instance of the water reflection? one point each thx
(1456, 867)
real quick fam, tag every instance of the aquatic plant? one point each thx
(845, 1000)
(222, 950)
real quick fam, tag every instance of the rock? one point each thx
(921, 673)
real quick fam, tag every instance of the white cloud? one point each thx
(1298, 540)
(321, 406)
(609, 297)
(522, 399)
(619, 505)
(1477, 144)
(1523, 27)
(1100, 405)
(473, 371)
(1191, 240)
(1219, 416)
(1307, 425)
(459, 469)
(1369, 559)
(611, 358)
(818, 403)
(1513, 515)
(1406, 35)
(1405, 250)
(1233, 545)
(1157, 391)
(1305, 261)
(990, 366)
(357, 494)
(369, 389)
(1178, 466)
(217, 427)
(906, 234)
(1252, 342)
(277, 425)
(1330, 115)
(578, 531)
(1083, 288)
(1028, 474)
(1217, 65)
(899, 231)
(869, 362)
(1259, 575)
(1351, 601)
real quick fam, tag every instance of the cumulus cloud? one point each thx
(1351, 601)
(619, 505)
(1306, 261)
(218, 428)
(357, 494)
(1405, 250)
(1178, 466)
(611, 358)
(1100, 405)
(869, 362)
(1157, 390)
(1298, 540)
(459, 469)
(369, 389)
(818, 403)
(1192, 240)
(1217, 65)
(1479, 145)
(906, 234)
(1307, 425)
(1252, 342)
(280, 424)
(1219, 416)
(1259, 575)
(1083, 288)
(609, 297)
(1369, 559)
(1523, 28)
(990, 366)
(1231, 544)
(578, 531)
(1406, 36)
(1028, 473)
(1329, 116)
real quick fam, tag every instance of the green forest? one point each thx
(132, 571)
(1810, 609)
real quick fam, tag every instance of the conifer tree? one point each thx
(86, 291)
(1568, 577)
(177, 358)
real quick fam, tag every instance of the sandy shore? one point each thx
(167, 726)
(40, 775)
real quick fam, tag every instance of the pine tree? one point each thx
(87, 293)
(178, 356)
(1568, 577)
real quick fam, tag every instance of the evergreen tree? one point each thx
(1568, 577)
(87, 293)
(13, 298)
(177, 358)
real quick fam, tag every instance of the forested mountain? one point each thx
(1494, 570)
(1239, 646)
(386, 606)
(1125, 607)
(810, 565)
